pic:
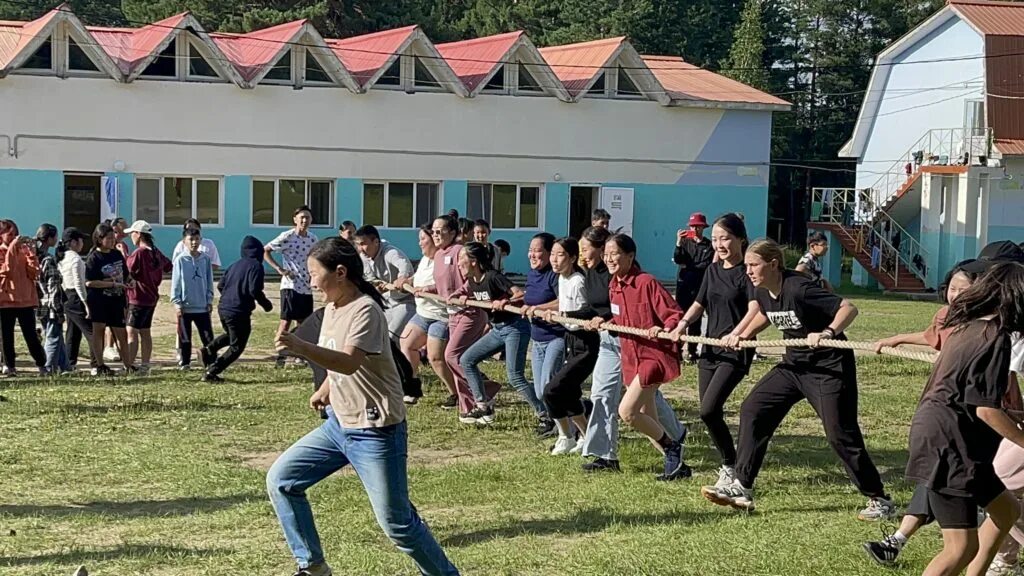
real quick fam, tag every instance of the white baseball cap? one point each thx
(140, 226)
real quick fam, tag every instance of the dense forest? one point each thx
(815, 53)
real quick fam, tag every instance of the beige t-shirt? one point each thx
(371, 397)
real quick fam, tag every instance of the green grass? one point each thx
(165, 475)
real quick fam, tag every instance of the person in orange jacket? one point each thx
(19, 270)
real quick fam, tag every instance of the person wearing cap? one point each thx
(147, 265)
(693, 255)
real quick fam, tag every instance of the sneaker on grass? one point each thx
(602, 465)
(675, 468)
(564, 445)
(879, 508)
(321, 569)
(450, 402)
(734, 495)
(1000, 568)
(726, 476)
(886, 550)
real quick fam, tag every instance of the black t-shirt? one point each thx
(106, 267)
(951, 449)
(725, 295)
(693, 258)
(493, 286)
(595, 290)
(803, 307)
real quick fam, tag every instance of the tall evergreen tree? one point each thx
(746, 58)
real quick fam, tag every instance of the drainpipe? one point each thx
(11, 151)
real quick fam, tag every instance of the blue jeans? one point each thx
(53, 345)
(379, 458)
(514, 338)
(602, 438)
(546, 358)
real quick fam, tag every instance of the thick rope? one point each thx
(664, 335)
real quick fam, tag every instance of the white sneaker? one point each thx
(564, 445)
(579, 445)
(111, 355)
(733, 495)
(726, 476)
(1000, 568)
(878, 509)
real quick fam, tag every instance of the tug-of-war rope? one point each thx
(929, 357)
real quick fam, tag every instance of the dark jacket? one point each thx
(241, 287)
(693, 258)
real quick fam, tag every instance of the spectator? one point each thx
(106, 278)
(19, 270)
(347, 230)
(810, 263)
(207, 247)
(147, 266)
(600, 218)
(51, 301)
(482, 234)
(72, 274)
(504, 249)
(296, 295)
(192, 296)
(693, 255)
(465, 231)
(385, 264)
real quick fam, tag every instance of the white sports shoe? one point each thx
(564, 445)
(1000, 568)
(734, 495)
(579, 445)
(878, 509)
(111, 355)
(726, 476)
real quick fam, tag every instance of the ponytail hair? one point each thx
(70, 235)
(734, 225)
(43, 235)
(572, 248)
(336, 251)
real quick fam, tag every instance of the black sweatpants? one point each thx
(26, 318)
(203, 323)
(715, 382)
(237, 330)
(79, 326)
(563, 394)
(685, 296)
(834, 398)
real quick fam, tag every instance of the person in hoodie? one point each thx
(241, 288)
(147, 265)
(192, 296)
(51, 301)
(19, 270)
(385, 264)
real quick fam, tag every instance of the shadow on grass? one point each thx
(581, 522)
(146, 406)
(135, 509)
(122, 552)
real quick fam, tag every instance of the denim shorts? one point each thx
(436, 329)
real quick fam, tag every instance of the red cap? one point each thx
(698, 219)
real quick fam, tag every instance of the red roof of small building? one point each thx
(990, 17)
(251, 53)
(684, 81)
(365, 55)
(14, 36)
(127, 47)
(577, 64)
(473, 60)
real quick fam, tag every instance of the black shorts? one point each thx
(294, 306)
(108, 311)
(951, 512)
(140, 317)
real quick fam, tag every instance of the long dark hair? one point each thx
(572, 248)
(101, 232)
(70, 235)
(1000, 291)
(626, 243)
(482, 253)
(335, 251)
(959, 268)
(597, 236)
(733, 224)
(43, 235)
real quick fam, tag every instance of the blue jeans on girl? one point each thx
(514, 338)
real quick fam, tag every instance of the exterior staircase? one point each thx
(893, 277)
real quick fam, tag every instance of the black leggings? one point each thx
(26, 318)
(203, 323)
(563, 394)
(716, 381)
(236, 337)
(79, 325)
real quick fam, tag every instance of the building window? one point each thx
(274, 201)
(400, 204)
(78, 60)
(165, 65)
(393, 75)
(198, 67)
(626, 86)
(170, 200)
(422, 76)
(526, 81)
(281, 73)
(505, 206)
(315, 73)
(598, 88)
(42, 59)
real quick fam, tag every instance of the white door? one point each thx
(619, 203)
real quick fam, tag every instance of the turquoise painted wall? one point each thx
(42, 194)
(860, 277)
(1014, 233)
(348, 204)
(832, 267)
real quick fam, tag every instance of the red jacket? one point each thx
(638, 300)
(146, 266)
(19, 270)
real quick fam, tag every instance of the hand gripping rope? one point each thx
(844, 344)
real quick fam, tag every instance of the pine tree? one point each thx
(746, 58)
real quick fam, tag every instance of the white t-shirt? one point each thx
(1017, 355)
(206, 246)
(570, 295)
(424, 276)
(294, 250)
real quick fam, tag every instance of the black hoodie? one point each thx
(241, 287)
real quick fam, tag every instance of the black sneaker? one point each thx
(450, 402)
(103, 370)
(675, 468)
(279, 363)
(480, 415)
(546, 428)
(884, 552)
(602, 465)
(208, 377)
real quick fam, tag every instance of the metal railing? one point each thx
(862, 220)
(938, 147)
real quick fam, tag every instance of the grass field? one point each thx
(164, 475)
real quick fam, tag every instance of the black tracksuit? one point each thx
(241, 288)
(693, 258)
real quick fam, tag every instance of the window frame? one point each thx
(387, 200)
(541, 193)
(161, 179)
(277, 199)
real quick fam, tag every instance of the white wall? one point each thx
(595, 140)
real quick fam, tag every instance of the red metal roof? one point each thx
(253, 52)
(365, 55)
(1010, 146)
(14, 36)
(989, 17)
(473, 60)
(130, 46)
(684, 81)
(577, 64)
